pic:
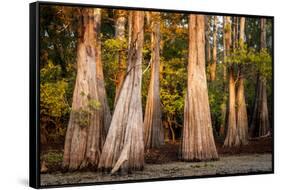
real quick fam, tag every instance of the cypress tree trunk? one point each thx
(232, 138)
(242, 118)
(224, 102)
(213, 65)
(83, 142)
(198, 141)
(120, 35)
(106, 116)
(124, 146)
(260, 121)
(207, 36)
(153, 130)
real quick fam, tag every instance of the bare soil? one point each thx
(164, 163)
(226, 165)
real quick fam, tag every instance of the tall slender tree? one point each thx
(198, 141)
(260, 120)
(83, 142)
(242, 118)
(124, 146)
(120, 29)
(106, 116)
(224, 100)
(207, 42)
(153, 130)
(232, 137)
(213, 65)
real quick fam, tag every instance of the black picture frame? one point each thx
(34, 92)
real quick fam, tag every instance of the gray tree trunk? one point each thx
(124, 146)
(120, 35)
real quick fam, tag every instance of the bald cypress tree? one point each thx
(198, 141)
(124, 145)
(153, 130)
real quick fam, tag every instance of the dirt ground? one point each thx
(164, 163)
(226, 165)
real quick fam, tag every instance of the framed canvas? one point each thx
(121, 94)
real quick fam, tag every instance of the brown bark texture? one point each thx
(242, 118)
(232, 138)
(260, 121)
(213, 65)
(83, 142)
(120, 30)
(224, 102)
(198, 141)
(207, 36)
(124, 146)
(153, 130)
(106, 116)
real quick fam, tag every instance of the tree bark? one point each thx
(213, 65)
(120, 35)
(207, 36)
(153, 130)
(106, 115)
(232, 138)
(242, 118)
(224, 101)
(198, 141)
(124, 146)
(260, 120)
(83, 142)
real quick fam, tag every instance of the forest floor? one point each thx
(164, 163)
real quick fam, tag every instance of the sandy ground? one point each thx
(226, 165)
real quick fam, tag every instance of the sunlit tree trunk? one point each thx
(232, 138)
(260, 120)
(242, 118)
(224, 101)
(198, 141)
(153, 130)
(124, 146)
(120, 36)
(83, 142)
(213, 65)
(106, 116)
(207, 42)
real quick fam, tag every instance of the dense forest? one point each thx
(120, 87)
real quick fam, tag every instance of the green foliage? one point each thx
(261, 60)
(53, 102)
(238, 56)
(94, 104)
(52, 99)
(173, 87)
(217, 97)
(52, 158)
(264, 63)
(50, 72)
(115, 45)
